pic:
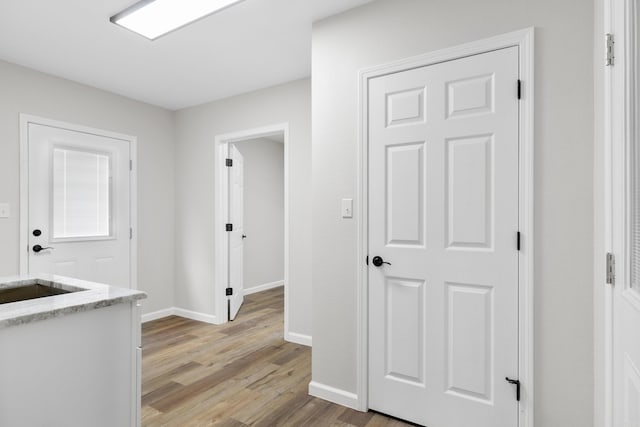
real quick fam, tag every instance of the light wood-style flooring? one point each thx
(239, 374)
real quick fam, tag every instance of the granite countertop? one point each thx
(84, 296)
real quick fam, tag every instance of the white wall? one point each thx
(387, 30)
(26, 91)
(196, 129)
(599, 275)
(263, 212)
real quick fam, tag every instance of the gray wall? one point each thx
(263, 211)
(196, 129)
(599, 274)
(26, 91)
(387, 30)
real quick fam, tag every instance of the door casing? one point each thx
(524, 40)
(25, 120)
(221, 260)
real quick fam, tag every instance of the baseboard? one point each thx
(298, 338)
(264, 287)
(194, 315)
(174, 311)
(335, 395)
(155, 315)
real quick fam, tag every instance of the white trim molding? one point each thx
(221, 261)
(297, 338)
(524, 40)
(25, 120)
(334, 395)
(180, 312)
(160, 314)
(263, 287)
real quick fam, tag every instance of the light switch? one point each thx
(5, 212)
(347, 208)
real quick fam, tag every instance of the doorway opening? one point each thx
(252, 212)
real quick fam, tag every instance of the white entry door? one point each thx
(79, 208)
(443, 255)
(626, 286)
(626, 338)
(623, 99)
(236, 235)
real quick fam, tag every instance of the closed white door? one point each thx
(625, 194)
(79, 206)
(626, 287)
(236, 240)
(626, 395)
(443, 255)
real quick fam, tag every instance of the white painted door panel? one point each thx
(443, 211)
(79, 190)
(626, 229)
(626, 356)
(236, 242)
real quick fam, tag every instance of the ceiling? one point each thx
(252, 45)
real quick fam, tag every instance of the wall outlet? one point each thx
(5, 212)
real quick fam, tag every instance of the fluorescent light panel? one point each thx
(154, 18)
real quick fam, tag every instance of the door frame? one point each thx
(524, 40)
(25, 120)
(618, 124)
(221, 261)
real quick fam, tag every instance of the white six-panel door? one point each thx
(622, 207)
(79, 205)
(443, 212)
(236, 242)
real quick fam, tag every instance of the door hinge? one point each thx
(611, 269)
(228, 227)
(610, 45)
(229, 292)
(367, 260)
(229, 162)
(517, 384)
(130, 165)
(130, 233)
(518, 239)
(519, 89)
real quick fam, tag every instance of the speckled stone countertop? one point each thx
(84, 296)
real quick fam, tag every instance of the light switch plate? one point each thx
(5, 212)
(347, 208)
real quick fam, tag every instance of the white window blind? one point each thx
(81, 194)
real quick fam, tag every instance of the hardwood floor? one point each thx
(239, 374)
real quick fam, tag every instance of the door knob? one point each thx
(38, 248)
(378, 261)
(244, 236)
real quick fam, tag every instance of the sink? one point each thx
(23, 293)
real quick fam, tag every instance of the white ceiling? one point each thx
(252, 45)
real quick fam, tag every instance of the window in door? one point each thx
(81, 196)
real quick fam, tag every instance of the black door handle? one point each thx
(38, 248)
(244, 236)
(378, 261)
(517, 384)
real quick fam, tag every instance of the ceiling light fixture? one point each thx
(155, 18)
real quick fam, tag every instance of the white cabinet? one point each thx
(78, 370)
